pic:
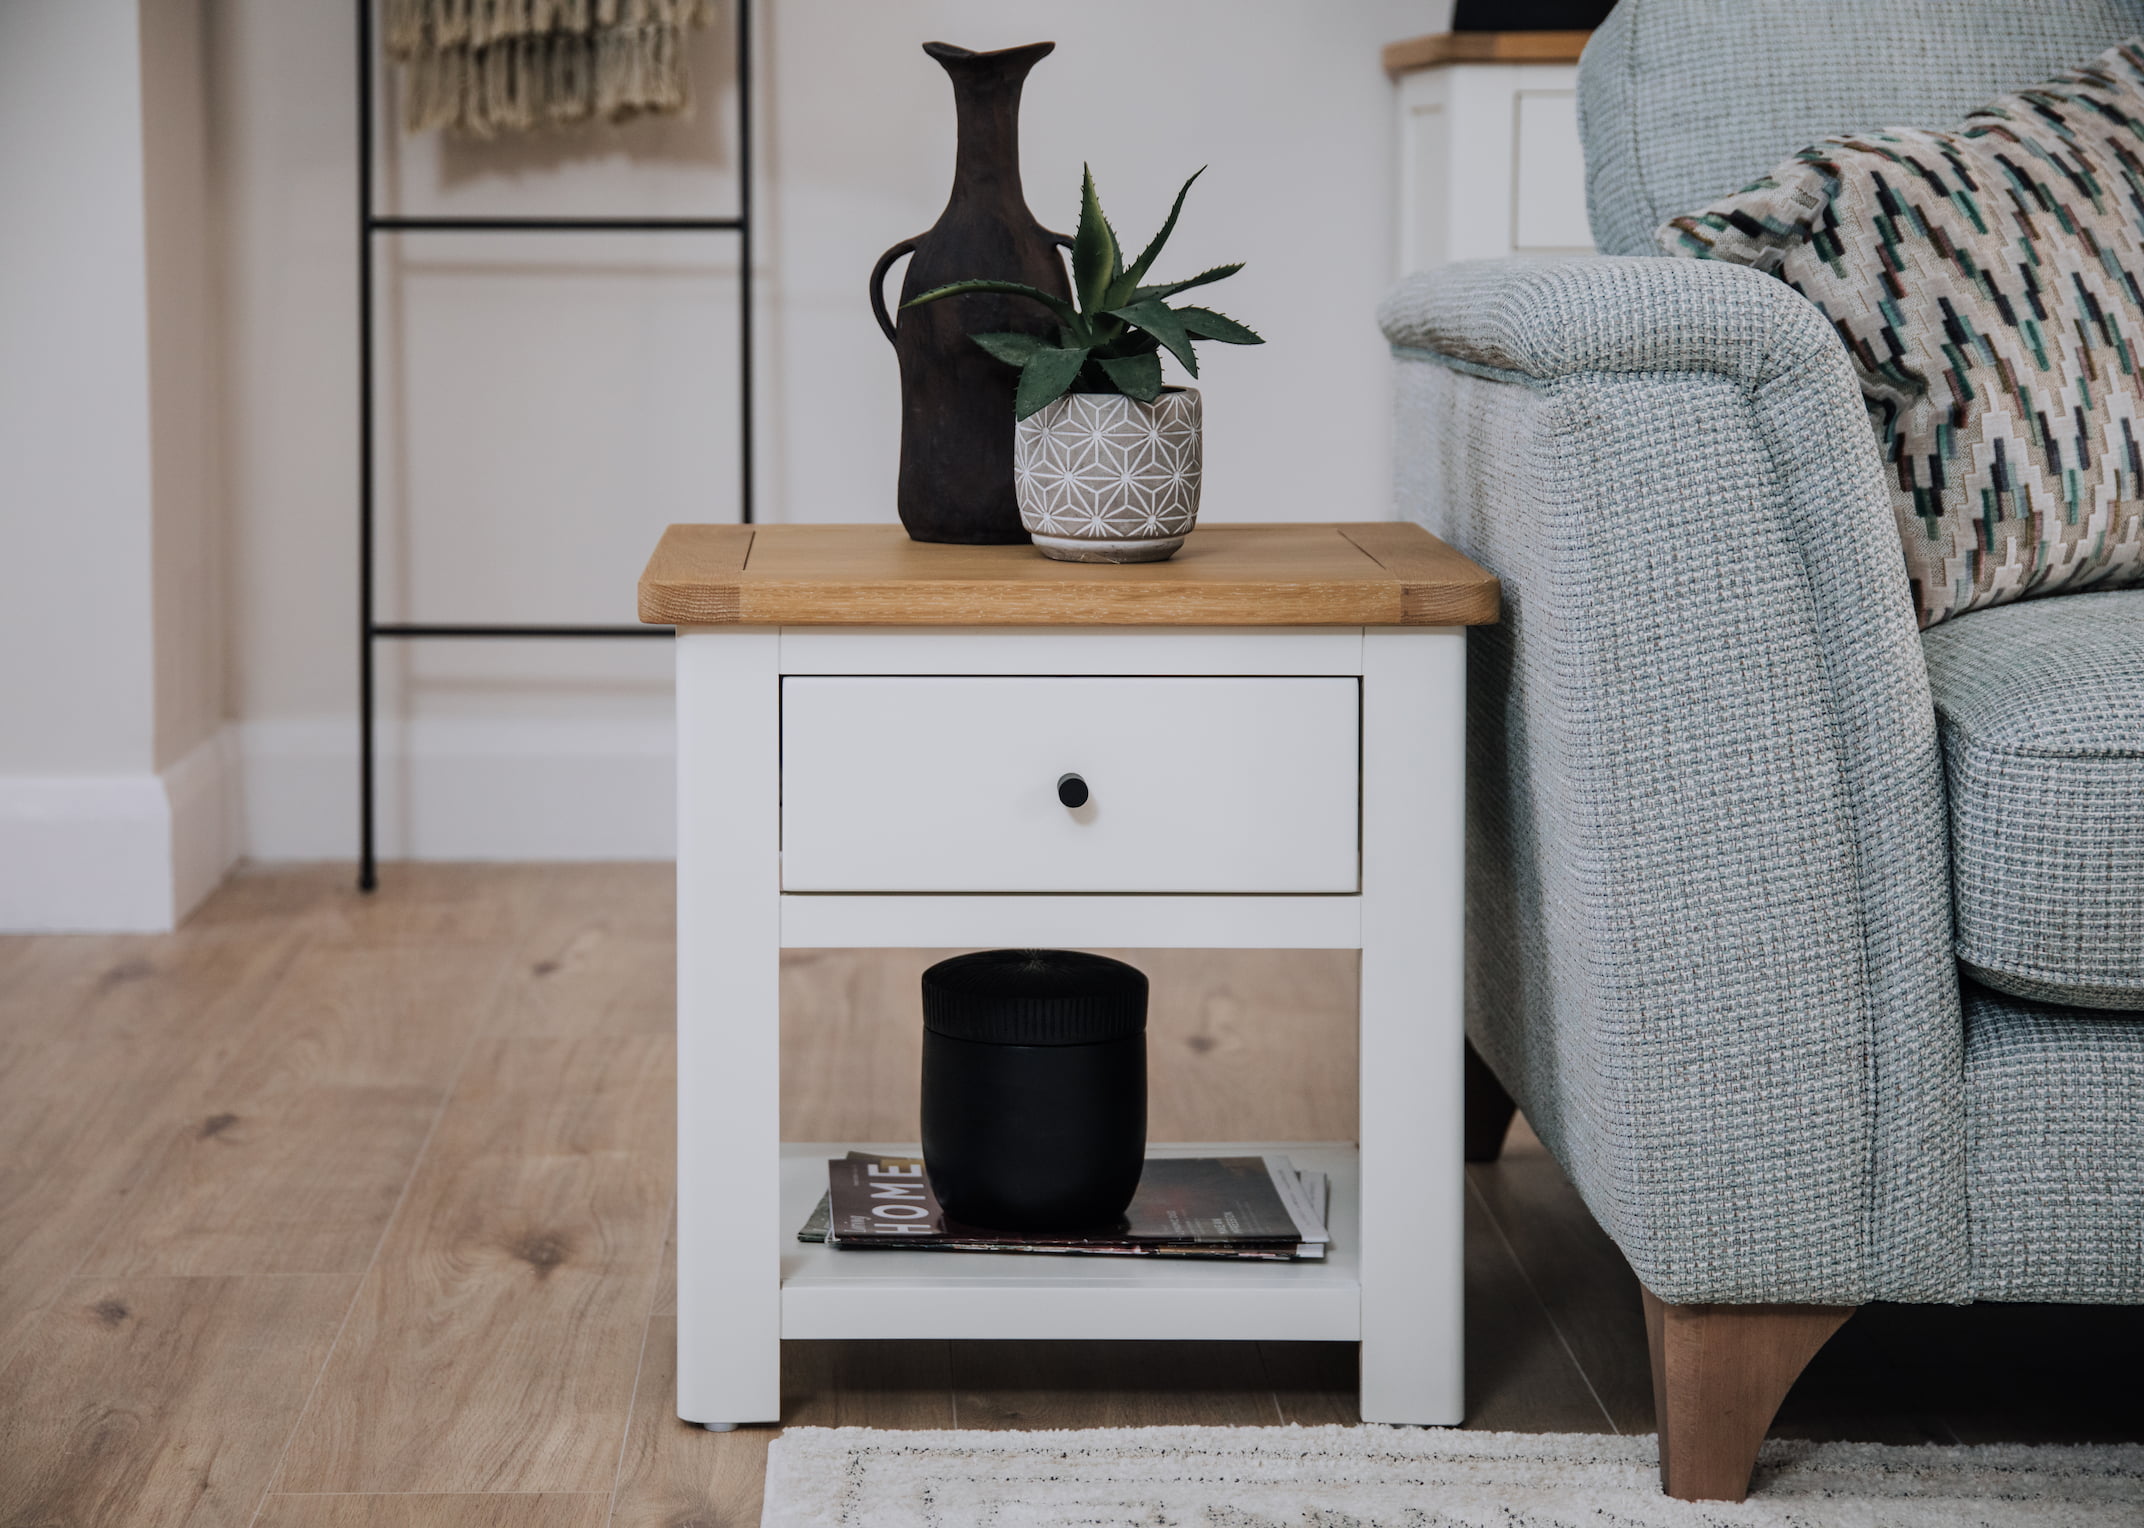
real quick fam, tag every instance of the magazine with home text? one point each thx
(1257, 1208)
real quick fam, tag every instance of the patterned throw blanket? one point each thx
(489, 66)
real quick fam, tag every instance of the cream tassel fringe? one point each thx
(489, 66)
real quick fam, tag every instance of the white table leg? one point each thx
(729, 1334)
(1413, 850)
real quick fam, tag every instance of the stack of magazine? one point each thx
(1256, 1208)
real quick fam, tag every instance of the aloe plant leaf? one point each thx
(1160, 321)
(1043, 380)
(1095, 260)
(1171, 288)
(1121, 289)
(1136, 376)
(1013, 349)
(1205, 324)
(1056, 305)
(1130, 343)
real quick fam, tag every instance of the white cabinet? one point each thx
(1325, 762)
(871, 736)
(1488, 154)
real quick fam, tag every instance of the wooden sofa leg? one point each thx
(1719, 1374)
(1489, 1110)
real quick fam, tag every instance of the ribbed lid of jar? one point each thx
(1034, 997)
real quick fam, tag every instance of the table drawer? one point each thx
(951, 784)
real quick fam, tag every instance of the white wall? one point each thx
(184, 336)
(194, 760)
(111, 655)
(78, 683)
(548, 404)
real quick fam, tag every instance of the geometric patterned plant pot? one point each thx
(1105, 478)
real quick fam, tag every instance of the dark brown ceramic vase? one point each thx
(956, 401)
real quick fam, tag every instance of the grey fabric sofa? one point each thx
(1812, 946)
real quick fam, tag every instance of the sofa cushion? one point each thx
(2041, 710)
(1987, 285)
(2054, 1122)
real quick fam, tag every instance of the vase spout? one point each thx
(986, 104)
(1015, 61)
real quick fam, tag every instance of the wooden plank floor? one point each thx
(332, 1211)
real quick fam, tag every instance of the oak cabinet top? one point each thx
(1384, 573)
(1440, 48)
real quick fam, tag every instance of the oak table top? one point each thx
(1381, 573)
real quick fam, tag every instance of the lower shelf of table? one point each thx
(897, 1294)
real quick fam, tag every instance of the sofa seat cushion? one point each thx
(2054, 1125)
(2041, 710)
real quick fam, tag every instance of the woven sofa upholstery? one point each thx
(1708, 909)
(2055, 1125)
(2041, 706)
(1709, 917)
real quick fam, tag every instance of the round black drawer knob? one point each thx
(1072, 790)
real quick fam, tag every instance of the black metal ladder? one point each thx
(370, 225)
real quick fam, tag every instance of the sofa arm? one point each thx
(1544, 320)
(1708, 918)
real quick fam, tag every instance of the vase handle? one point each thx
(878, 282)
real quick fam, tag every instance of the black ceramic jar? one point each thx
(1034, 1088)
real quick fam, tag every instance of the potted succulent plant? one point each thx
(1106, 456)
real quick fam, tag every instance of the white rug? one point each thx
(1393, 1477)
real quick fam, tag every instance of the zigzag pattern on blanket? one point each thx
(487, 66)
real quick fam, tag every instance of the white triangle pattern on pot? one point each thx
(1099, 466)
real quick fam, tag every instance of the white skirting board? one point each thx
(137, 853)
(116, 853)
(464, 789)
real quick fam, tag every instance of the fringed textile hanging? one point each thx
(490, 66)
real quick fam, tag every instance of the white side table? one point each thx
(870, 733)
